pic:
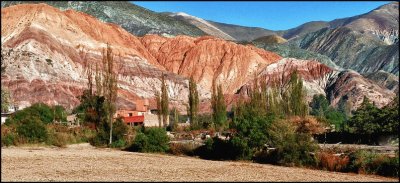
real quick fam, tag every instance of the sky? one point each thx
(268, 15)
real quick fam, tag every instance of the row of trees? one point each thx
(263, 120)
(366, 120)
(98, 107)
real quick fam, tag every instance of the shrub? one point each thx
(45, 113)
(152, 140)
(120, 143)
(140, 143)
(8, 136)
(102, 137)
(8, 140)
(60, 139)
(363, 161)
(32, 129)
(389, 166)
(330, 162)
(181, 149)
(158, 140)
(120, 129)
(291, 148)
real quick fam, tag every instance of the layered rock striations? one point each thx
(47, 52)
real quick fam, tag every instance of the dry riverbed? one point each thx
(83, 162)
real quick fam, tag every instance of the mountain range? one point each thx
(46, 49)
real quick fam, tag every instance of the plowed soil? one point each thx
(85, 163)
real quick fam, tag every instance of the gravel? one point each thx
(83, 162)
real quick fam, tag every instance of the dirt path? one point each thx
(85, 163)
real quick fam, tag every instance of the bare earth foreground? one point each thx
(85, 163)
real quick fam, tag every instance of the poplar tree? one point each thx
(158, 100)
(164, 101)
(193, 101)
(297, 104)
(218, 106)
(109, 85)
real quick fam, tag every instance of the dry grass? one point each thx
(81, 162)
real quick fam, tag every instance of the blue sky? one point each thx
(268, 15)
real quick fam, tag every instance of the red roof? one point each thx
(133, 119)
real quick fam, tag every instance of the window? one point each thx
(130, 114)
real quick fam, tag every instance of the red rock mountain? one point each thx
(42, 50)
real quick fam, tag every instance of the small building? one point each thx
(140, 114)
(134, 120)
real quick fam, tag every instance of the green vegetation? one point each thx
(152, 140)
(32, 129)
(41, 111)
(258, 125)
(35, 124)
(5, 100)
(368, 119)
(321, 109)
(193, 102)
(218, 107)
(360, 161)
(164, 102)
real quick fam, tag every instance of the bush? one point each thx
(363, 161)
(39, 110)
(158, 140)
(102, 138)
(59, 139)
(140, 143)
(8, 140)
(32, 129)
(291, 148)
(330, 162)
(152, 140)
(181, 149)
(8, 136)
(120, 143)
(218, 149)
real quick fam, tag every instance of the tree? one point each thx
(5, 100)
(344, 106)
(297, 102)
(164, 101)
(218, 106)
(109, 85)
(159, 113)
(175, 115)
(193, 101)
(364, 118)
(319, 105)
(251, 120)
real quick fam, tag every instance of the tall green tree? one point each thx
(344, 106)
(364, 118)
(319, 105)
(164, 101)
(218, 107)
(159, 113)
(193, 101)
(109, 85)
(297, 101)
(5, 100)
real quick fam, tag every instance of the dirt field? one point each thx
(85, 163)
